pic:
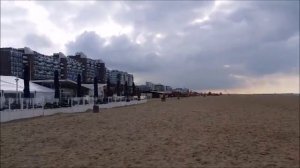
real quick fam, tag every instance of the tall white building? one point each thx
(130, 79)
(107, 75)
(150, 85)
(159, 87)
(168, 88)
(124, 77)
(114, 75)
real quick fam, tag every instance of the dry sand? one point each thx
(225, 131)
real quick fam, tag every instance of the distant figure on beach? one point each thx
(163, 99)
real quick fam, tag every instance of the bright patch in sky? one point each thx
(111, 28)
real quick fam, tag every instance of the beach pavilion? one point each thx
(68, 88)
(12, 87)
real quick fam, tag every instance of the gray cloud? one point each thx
(161, 16)
(251, 38)
(67, 12)
(13, 12)
(14, 25)
(37, 41)
(121, 53)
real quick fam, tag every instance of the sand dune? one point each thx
(224, 131)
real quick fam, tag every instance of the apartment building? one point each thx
(168, 88)
(70, 68)
(181, 90)
(107, 75)
(40, 66)
(150, 85)
(102, 73)
(115, 76)
(159, 87)
(11, 62)
(123, 77)
(130, 79)
(91, 68)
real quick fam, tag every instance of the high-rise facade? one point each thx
(123, 77)
(150, 85)
(115, 76)
(11, 62)
(107, 74)
(70, 68)
(168, 88)
(91, 68)
(159, 87)
(130, 79)
(102, 73)
(41, 66)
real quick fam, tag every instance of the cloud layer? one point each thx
(206, 45)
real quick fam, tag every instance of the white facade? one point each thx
(159, 87)
(182, 90)
(169, 88)
(124, 77)
(8, 85)
(150, 85)
(130, 79)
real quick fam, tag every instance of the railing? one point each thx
(34, 103)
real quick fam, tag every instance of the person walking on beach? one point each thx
(163, 99)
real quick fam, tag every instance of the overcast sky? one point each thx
(228, 46)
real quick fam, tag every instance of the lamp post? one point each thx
(0, 95)
(95, 107)
(17, 80)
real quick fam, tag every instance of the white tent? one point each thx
(8, 84)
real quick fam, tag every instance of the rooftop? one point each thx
(8, 84)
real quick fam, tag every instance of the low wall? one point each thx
(9, 115)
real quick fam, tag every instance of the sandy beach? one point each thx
(222, 131)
